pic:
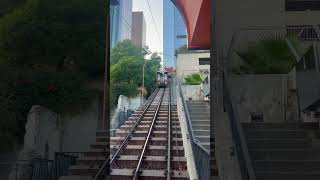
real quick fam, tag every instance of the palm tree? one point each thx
(271, 54)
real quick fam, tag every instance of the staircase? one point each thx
(284, 151)
(199, 112)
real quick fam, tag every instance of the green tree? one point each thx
(127, 61)
(49, 50)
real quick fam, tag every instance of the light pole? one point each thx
(144, 64)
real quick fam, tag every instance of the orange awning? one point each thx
(196, 14)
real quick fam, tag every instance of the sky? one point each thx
(152, 38)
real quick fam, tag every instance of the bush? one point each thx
(193, 79)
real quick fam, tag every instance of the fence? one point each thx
(44, 169)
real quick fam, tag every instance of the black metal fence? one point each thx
(44, 169)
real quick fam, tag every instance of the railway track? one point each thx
(148, 146)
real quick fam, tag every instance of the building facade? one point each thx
(114, 22)
(125, 22)
(174, 33)
(121, 21)
(138, 34)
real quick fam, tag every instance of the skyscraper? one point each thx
(138, 34)
(174, 32)
(125, 21)
(114, 22)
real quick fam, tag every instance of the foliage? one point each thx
(270, 55)
(49, 49)
(193, 79)
(7, 6)
(127, 61)
(182, 50)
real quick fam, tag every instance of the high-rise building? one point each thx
(120, 21)
(125, 26)
(174, 33)
(114, 22)
(138, 34)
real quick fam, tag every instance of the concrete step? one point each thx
(159, 141)
(277, 143)
(83, 171)
(200, 121)
(158, 122)
(287, 175)
(146, 127)
(275, 133)
(152, 150)
(287, 165)
(201, 132)
(131, 161)
(149, 162)
(201, 127)
(198, 109)
(126, 174)
(200, 117)
(199, 113)
(282, 126)
(284, 154)
(122, 133)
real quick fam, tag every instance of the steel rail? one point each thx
(123, 144)
(136, 171)
(169, 138)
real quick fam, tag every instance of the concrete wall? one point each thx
(43, 127)
(46, 131)
(81, 125)
(308, 84)
(259, 94)
(193, 92)
(189, 63)
(135, 102)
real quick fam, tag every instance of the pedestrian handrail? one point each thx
(201, 155)
(242, 152)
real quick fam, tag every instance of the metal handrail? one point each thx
(202, 164)
(244, 159)
(169, 137)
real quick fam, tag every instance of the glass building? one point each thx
(114, 22)
(125, 22)
(121, 21)
(174, 33)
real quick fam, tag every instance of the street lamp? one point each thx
(144, 64)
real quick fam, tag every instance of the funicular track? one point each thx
(148, 146)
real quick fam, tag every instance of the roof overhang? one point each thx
(196, 14)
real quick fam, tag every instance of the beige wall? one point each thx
(189, 63)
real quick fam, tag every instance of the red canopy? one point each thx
(197, 18)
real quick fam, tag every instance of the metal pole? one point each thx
(106, 72)
(141, 102)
